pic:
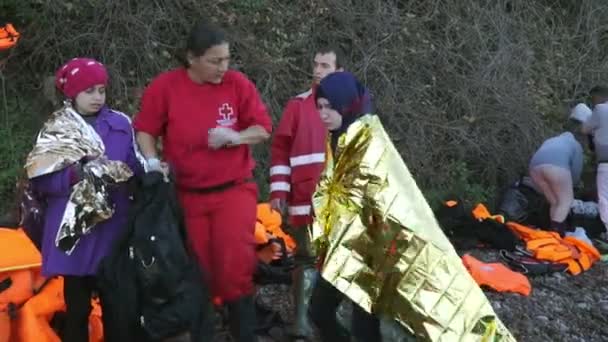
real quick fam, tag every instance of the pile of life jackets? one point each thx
(9, 37)
(272, 241)
(28, 301)
(525, 250)
(518, 242)
(274, 248)
(573, 254)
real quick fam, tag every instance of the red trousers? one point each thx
(221, 228)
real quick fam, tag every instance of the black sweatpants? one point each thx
(77, 292)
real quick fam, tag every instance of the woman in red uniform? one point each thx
(207, 116)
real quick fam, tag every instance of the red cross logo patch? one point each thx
(227, 117)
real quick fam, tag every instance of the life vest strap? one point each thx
(6, 283)
(529, 265)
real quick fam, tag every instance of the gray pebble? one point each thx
(584, 306)
(542, 318)
(562, 326)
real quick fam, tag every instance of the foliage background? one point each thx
(467, 89)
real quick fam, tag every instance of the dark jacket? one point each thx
(150, 286)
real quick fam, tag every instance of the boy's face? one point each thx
(323, 65)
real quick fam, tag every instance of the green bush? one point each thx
(461, 185)
(18, 130)
(466, 89)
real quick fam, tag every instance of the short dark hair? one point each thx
(336, 50)
(203, 36)
(599, 90)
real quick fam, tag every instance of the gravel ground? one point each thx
(561, 307)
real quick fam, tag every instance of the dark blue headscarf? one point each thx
(347, 96)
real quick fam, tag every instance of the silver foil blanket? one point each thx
(66, 140)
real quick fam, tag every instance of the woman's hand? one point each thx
(155, 165)
(222, 136)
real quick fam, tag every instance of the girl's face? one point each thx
(330, 117)
(90, 101)
(211, 66)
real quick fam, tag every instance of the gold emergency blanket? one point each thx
(384, 249)
(64, 140)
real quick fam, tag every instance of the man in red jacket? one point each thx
(297, 160)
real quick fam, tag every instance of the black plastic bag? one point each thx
(157, 244)
(466, 232)
(278, 271)
(523, 204)
(151, 288)
(32, 210)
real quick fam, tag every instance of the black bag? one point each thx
(456, 222)
(466, 232)
(152, 272)
(522, 204)
(496, 235)
(189, 309)
(118, 290)
(278, 271)
(157, 244)
(32, 209)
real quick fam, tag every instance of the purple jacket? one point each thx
(117, 135)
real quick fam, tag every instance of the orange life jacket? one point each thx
(480, 212)
(29, 303)
(20, 289)
(497, 276)
(267, 227)
(261, 235)
(550, 246)
(32, 321)
(8, 37)
(271, 221)
(20, 276)
(17, 252)
(20, 264)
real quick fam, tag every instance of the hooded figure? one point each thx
(380, 243)
(341, 100)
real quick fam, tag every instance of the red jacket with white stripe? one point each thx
(298, 157)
